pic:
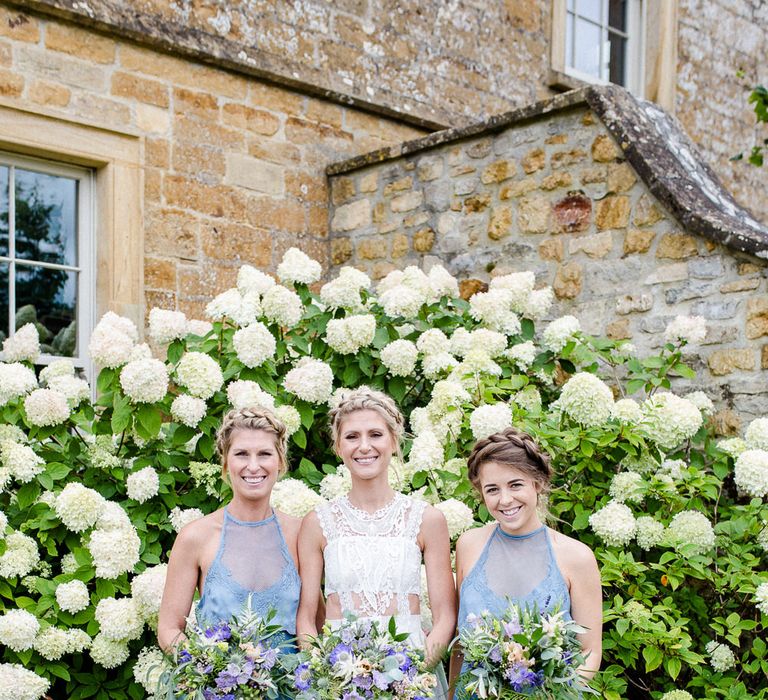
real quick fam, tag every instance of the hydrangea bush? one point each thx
(94, 491)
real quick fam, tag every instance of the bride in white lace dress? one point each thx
(371, 542)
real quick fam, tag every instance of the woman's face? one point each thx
(365, 444)
(511, 496)
(252, 463)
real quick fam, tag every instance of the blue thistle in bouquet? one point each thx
(242, 659)
(521, 654)
(362, 660)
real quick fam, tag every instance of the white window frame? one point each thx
(635, 46)
(85, 266)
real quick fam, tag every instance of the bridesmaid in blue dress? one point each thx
(516, 556)
(243, 551)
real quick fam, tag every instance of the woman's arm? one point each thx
(457, 658)
(180, 583)
(311, 571)
(440, 584)
(587, 604)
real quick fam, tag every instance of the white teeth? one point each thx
(253, 479)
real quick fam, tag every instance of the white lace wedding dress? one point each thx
(373, 561)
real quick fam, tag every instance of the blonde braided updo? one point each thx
(513, 448)
(366, 399)
(255, 418)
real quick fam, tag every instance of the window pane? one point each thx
(571, 5)
(589, 9)
(50, 296)
(46, 217)
(617, 15)
(617, 53)
(3, 300)
(4, 174)
(569, 39)
(587, 48)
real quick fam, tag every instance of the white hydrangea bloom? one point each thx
(478, 361)
(344, 291)
(677, 695)
(762, 538)
(244, 393)
(113, 517)
(119, 619)
(690, 329)
(166, 326)
(528, 398)
(614, 524)
(143, 484)
(627, 411)
(142, 351)
(672, 467)
(282, 306)
(294, 497)
(16, 380)
(627, 487)
(21, 461)
(290, 418)
(442, 283)
(46, 407)
(57, 368)
(18, 683)
(144, 381)
(149, 666)
(586, 399)
(399, 357)
(69, 564)
(348, 335)
(188, 410)
(761, 598)
(721, 656)
(637, 613)
(52, 643)
(426, 452)
(446, 395)
(114, 552)
(560, 332)
(18, 629)
(254, 344)
(253, 281)
(297, 266)
(420, 420)
(402, 301)
(518, 284)
(390, 281)
(650, 532)
(539, 303)
(335, 485)
(75, 390)
(3, 524)
(23, 345)
(490, 342)
(438, 364)
(702, 402)
(112, 340)
(432, 341)
(460, 342)
(489, 419)
(689, 527)
(522, 354)
(458, 516)
(494, 309)
(77, 640)
(200, 374)
(240, 308)
(732, 446)
(78, 507)
(400, 474)
(107, 652)
(20, 556)
(198, 327)
(311, 380)
(72, 596)
(180, 517)
(751, 472)
(756, 437)
(670, 420)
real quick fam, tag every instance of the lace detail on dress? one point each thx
(372, 559)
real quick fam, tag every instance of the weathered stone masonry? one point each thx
(551, 190)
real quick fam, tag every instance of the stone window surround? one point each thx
(659, 51)
(115, 159)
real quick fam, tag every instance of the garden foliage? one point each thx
(94, 491)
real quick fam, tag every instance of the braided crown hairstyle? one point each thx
(514, 448)
(255, 418)
(364, 398)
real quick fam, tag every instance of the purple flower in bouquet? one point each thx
(352, 695)
(404, 662)
(512, 628)
(233, 675)
(521, 678)
(218, 633)
(302, 677)
(184, 656)
(495, 655)
(341, 652)
(269, 658)
(363, 682)
(380, 680)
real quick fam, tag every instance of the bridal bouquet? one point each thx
(358, 661)
(522, 654)
(236, 660)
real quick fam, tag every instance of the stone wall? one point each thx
(555, 195)
(233, 168)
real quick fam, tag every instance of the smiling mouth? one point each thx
(365, 460)
(510, 512)
(254, 479)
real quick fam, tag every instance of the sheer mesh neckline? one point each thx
(520, 537)
(376, 514)
(249, 523)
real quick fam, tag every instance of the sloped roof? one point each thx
(653, 142)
